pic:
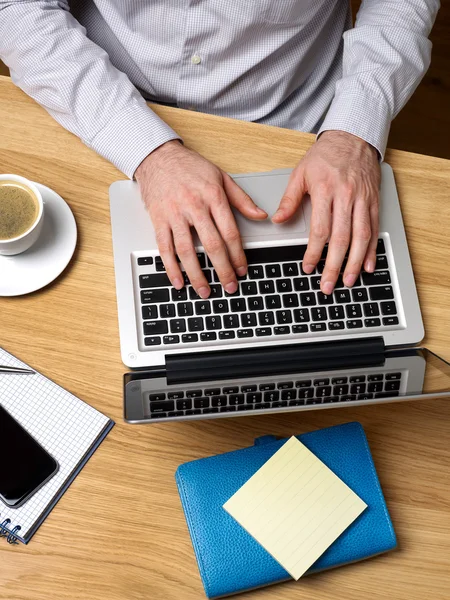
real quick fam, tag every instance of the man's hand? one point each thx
(181, 189)
(341, 173)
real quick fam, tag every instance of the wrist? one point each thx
(343, 136)
(161, 152)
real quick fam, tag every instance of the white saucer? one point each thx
(48, 257)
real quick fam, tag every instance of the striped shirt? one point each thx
(292, 63)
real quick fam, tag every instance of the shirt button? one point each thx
(195, 59)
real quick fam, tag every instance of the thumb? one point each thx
(296, 189)
(242, 201)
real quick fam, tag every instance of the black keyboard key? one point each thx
(354, 324)
(254, 398)
(340, 390)
(388, 308)
(271, 396)
(387, 394)
(323, 381)
(381, 293)
(195, 324)
(289, 394)
(152, 341)
(376, 278)
(306, 392)
(304, 383)
(299, 328)
(279, 404)
(282, 330)
(248, 388)
(273, 302)
(184, 404)
(255, 272)
(236, 399)
(145, 260)
(290, 269)
(167, 311)
(219, 400)
(375, 386)
(336, 325)
(303, 272)
(184, 309)
(152, 296)
(365, 396)
(296, 403)
(227, 408)
(155, 327)
(156, 280)
(207, 336)
(150, 312)
(245, 333)
(231, 321)
(390, 321)
(301, 315)
(319, 313)
(201, 402)
(266, 318)
(273, 271)
(284, 286)
(216, 291)
(347, 398)
(371, 309)
(158, 415)
(377, 377)
(358, 388)
(380, 247)
(301, 284)
(175, 395)
(314, 401)
(342, 296)
(284, 317)
(177, 295)
(212, 392)
(321, 266)
(238, 304)
(324, 299)
(357, 378)
(392, 376)
(372, 322)
(315, 283)
(265, 387)
(339, 380)
(353, 311)
(159, 264)
(289, 300)
(359, 294)
(336, 313)
(391, 386)
(208, 411)
(220, 306)
(177, 325)
(248, 288)
(263, 331)
(202, 308)
(157, 396)
(194, 411)
(248, 320)
(194, 394)
(213, 322)
(176, 413)
(266, 287)
(255, 303)
(318, 327)
(227, 335)
(329, 399)
(278, 254)
(308, 299)
(323, 391)
(171, 339)
(193, 294)
(381, 263)
(285, 385)
(164, 406)
(245, 407)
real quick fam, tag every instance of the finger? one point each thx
(319, 229)
(361, 235)
(371, 255)
(242, 201)
(184, 245)
(338, 245)
(217, 252)
(167, 252)
(295, 190)
(228, 229)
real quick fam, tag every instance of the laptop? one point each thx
(278, 344)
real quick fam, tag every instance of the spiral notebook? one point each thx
(68, 428)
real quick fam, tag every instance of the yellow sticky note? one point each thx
(295, 507)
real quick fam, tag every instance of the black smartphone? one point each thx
(25, 465)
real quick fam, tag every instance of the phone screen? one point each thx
(25, 465)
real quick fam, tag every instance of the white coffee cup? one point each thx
(24, 241)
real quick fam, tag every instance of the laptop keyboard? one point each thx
(303, 392)
(275, 298)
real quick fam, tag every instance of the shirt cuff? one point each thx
(130, 136)
(365, 116)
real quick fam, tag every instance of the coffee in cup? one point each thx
(21, 213)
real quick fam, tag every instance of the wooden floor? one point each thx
(424, 124)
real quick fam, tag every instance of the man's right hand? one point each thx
(181, 189)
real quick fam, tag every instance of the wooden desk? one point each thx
(119, 532)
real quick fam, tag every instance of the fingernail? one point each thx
(241, 271)
(260, 210)
(349, 280)
(177, 283)
(308, 268)
(327, 288)
(230, 288)
(279, 213)
(370, 266)
(203, 292)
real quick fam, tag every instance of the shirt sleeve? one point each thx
(386, 55)
(52, 60)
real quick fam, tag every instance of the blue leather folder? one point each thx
(229, 559)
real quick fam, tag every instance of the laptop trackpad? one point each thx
(266, 190)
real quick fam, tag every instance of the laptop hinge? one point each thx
(271, 360)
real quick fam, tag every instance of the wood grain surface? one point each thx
(119, 532)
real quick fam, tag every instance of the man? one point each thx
(281, 62)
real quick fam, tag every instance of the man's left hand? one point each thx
(341, 173)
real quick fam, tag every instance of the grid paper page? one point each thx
(63, 424)
(295, 507)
